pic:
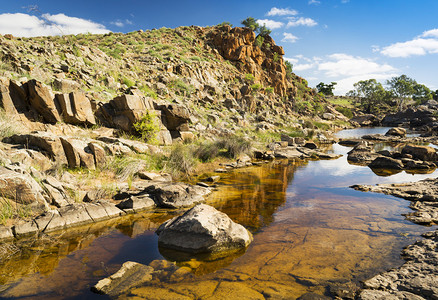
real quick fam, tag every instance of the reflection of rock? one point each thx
(204, 263)
(203, 229)
(131, 273)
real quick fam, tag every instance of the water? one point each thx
(310, 230)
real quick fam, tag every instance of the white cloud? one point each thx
(426, 43)
(291, 60)
(343, 69)
(301, 22)
(24, 25)
(316, 2)
(289, 38)
(282, 12)
(118, 23)
(418, 46)
(347, 69)
(121, 23)
(271, 24)
(303, 67)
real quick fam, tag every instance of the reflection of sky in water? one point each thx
(340, 173)
(359, 132)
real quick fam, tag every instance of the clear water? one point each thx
(310, 231)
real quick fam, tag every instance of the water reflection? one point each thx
(310, 230)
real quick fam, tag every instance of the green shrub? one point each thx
(259, 41)
(256, 86)
(147, 127)
(181, 162)
(234, 146)
(128, 82)
(345, 111)
(148, 92)
(207, 151)
(249, 77)
(269, 90)
(180, 87)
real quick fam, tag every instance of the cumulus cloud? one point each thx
(24, 25)
(342, 68)
(281, 12)
(289, 38)
(271, 24)
(340, 64)
(301, 22)
(426, 43)
(347, 69)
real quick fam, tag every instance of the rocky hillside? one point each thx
(83, 117)
(220, 74)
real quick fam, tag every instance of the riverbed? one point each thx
(312, 233)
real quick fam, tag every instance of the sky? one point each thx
(342, 41)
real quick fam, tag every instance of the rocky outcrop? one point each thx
(416, 279)
(203, 229)
(411, 117)
(42, 100)
(384, 162)
(76, 108)
(264, 60)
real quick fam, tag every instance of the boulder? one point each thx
(396, 131)
(174, 116)
(362, 154)
(365, 120)
(76, 108)
(78, 153)
(99, 154)
(421, 152)
(50, 145)
(203, 229)
(21, 188)
(42, 100)
(176, 195)
(384, 162)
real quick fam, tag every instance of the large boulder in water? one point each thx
(421, 152)
(396, 131)
(203, 229)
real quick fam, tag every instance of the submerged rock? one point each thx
(203, 229)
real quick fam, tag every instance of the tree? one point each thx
(421, 93)
(251, 23)
(289, 67)
(326, 89)
(403, 88)
(264, 31)
(371, 94)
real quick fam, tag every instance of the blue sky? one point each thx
(326, 40)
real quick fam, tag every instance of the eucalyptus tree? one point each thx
(403, 89)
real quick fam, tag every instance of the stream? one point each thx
(311, 233)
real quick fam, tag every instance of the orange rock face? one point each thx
(265, 62)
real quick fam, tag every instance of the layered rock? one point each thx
(203, 229)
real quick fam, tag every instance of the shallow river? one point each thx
(311, 232)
